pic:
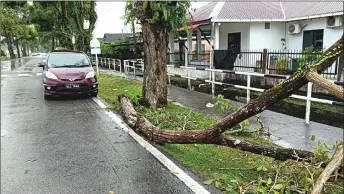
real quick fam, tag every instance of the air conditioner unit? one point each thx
(294, 28)
(334, 21)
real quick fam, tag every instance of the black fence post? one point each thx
(264, 66)
(265, 60)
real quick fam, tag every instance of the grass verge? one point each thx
(230, 170)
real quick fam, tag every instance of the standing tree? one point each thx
(9, 21)
(60, 20)
(158, 19)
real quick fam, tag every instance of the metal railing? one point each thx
(133, 65)
(245, 60)
(288, 62)
(136, 65)
(248, 87)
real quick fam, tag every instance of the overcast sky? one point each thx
(109, 17)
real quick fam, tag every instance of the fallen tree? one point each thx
(214, 135)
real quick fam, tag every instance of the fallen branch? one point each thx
(276, 178)
(159, 136)
(335, 163)
(319, 80)
(213, 135)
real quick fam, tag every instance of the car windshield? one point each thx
(57, 60)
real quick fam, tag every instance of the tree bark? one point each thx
(52, 43)
(10, 46)
(16, 42)
(154, 90)
(319, 80)
(335, 163)
(147, 129)
(24, 50)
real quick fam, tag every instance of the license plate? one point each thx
(72, 86)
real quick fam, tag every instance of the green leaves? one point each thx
(208, 182)
(168, 15)
(278, 186)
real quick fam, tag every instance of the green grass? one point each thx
(227, 168)
(110, 87)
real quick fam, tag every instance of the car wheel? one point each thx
(94, 94)
(47, 97)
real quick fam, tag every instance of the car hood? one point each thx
(69, 73)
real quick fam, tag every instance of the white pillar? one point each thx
(217, 36)
(248, 85)
(199, 41)
(171, 46)
(308, 102)
(216, 47)
(189, 45)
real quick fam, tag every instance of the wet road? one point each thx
(69, 146)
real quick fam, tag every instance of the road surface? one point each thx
(69, 145)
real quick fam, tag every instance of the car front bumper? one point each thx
(52, 90)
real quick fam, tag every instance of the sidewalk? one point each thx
(287, 131)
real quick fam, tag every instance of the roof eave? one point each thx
(278, 20)
(247, 20)
(315, 16)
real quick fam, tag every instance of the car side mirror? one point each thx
(94, 64)
(41, 64)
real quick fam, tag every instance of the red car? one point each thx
(68, 73)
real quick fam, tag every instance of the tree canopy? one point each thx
(15, 27)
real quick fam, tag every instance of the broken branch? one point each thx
(335, 163)
(319, 80)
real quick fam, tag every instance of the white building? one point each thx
(282, 26)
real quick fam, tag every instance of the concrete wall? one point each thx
(331, 35)
(255, 36)
(193, 73)
(261, 38)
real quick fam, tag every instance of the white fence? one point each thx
(138, 65)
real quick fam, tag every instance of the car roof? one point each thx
(66, 51)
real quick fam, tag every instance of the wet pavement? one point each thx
(285, 130)
(69, 145)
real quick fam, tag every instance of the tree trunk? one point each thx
(16, 42)
(268, 98)
(155, 42)
(24, 50)
(10, 47)
(134, 36)
(52, 43)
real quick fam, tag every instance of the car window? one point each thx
(56, 60)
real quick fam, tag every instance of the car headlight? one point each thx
(50, 75)
(90, 75)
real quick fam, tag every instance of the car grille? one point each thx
(67, 80)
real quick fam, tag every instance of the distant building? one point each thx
(114, 37)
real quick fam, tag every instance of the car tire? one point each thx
(47, 97)
(94, 94)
